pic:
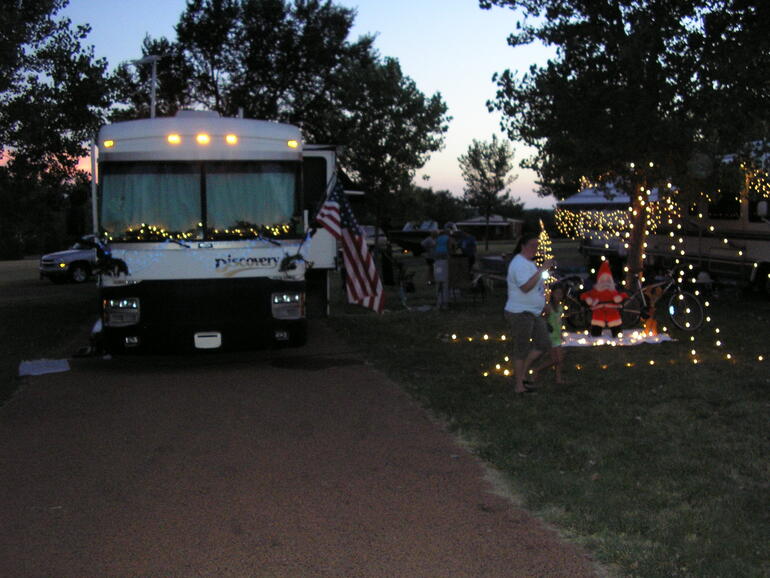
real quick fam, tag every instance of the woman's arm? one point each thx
(531, 283)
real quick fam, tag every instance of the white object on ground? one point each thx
(627, 337)
(43, 366)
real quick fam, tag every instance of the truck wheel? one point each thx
(79, 273)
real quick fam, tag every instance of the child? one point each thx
(554, 311)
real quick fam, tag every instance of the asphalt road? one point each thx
(304, 462)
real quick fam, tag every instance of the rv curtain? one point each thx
(249, 198)
(165, 197)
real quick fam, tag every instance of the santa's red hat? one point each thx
(604, 270)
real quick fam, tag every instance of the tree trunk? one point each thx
(638, 217)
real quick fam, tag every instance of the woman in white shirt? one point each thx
(524, 307)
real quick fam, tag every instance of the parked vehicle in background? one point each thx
(371, 233)
(74, 264)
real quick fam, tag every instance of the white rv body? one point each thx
(207, 228)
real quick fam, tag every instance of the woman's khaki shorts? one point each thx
(528, 332)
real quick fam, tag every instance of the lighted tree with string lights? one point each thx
(544, 252)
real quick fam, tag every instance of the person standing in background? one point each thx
(441, 253)
(429, 245)
(468, 248)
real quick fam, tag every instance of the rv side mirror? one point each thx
(762, 209)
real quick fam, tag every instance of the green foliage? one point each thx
(23, 23)
(53, 99)
(293, 62)
(485, 168)
(133, 83)
(389, 127)
(652, 81)
(418, 204)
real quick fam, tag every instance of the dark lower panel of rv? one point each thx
(203, 314)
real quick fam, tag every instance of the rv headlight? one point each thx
(288, 305)
(120, 312)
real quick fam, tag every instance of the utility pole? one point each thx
(154, 60)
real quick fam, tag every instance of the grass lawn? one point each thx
(656, 464)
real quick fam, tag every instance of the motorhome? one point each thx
(206, 232)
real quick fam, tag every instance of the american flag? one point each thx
(362, 281)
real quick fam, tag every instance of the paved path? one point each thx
(301, 462)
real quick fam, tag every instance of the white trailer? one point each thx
(729, 239)
(205, 223)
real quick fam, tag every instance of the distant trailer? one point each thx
(729, 239)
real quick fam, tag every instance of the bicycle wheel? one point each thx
(631, 311)
(577, 314)
(685, 311)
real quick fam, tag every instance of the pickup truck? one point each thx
(74, 264)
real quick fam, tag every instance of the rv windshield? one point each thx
(215, 200)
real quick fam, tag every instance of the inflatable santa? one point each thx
(605, 302)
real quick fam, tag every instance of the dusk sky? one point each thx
(447, 46)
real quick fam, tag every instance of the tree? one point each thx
(485, 169)
(423, 204)
(53, 99)
(640, 93)
(388, 126)
(132, 83)
(292, 62)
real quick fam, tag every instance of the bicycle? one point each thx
(576, 313)
(683, 308)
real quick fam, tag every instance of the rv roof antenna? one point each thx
(154, 60)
